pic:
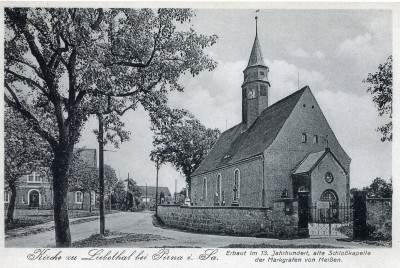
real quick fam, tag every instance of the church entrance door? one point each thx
(329, 217)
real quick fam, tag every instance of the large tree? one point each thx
(24, 152)
(381, 90)
(181, 140)
(63, 65)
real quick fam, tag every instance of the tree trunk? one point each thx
(101, 174)
(59, 169)
(83, 200)
(11, 204)
(90, 201)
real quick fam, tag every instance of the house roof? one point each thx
(312, 160)
(235, 145)
(151, 190)
(256, 57)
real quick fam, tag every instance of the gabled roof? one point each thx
(308, 164)
(235, 145)
(256, 57)
(151, 190)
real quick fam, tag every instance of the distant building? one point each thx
(164, 194)
(277, 150)
(35, 190)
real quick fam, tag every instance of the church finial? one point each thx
(256, 20)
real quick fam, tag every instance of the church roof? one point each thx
(235, 145)
(256, 57)
(312, 160)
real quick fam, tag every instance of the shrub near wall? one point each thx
(379, 218)
(241, 221)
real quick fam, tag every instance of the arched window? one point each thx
(204, 188)
(329, 196)
(236, 187)
(219, 186)
(78, 197)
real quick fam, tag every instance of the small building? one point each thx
(35, 189)
(276, 150)
(149, 196)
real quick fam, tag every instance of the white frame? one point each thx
(40, 198)
(303, 137)
(34, 174)
(76, 197)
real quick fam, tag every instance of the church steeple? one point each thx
(255, 86)
(256, 57)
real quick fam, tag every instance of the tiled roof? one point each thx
(235, 145)
(312, 160)
(308, 163)
(256, 57)
(151, 190)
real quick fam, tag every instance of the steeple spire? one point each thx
(256, 24)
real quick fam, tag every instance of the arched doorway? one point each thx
(330, 214)
(34, 198)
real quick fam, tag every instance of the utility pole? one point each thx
(146, 197)
(158, 167)
(126, 197)
(101, 173)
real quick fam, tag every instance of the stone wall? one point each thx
(281, 221)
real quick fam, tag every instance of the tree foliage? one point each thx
(24, 152)
(63, 65)
(379, 188)
(181, 140)
(381, 90)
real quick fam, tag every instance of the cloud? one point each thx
(355, 46)
(354, 119)
(319, 55)
(299, 52)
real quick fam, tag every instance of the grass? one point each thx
(113, 238)
(263, 245)
(21, 223)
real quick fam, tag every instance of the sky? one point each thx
(331, 51)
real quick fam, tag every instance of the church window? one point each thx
(219, 186)
(236, 187)
(329, 195)
(304, 105)
(303, 137)
(263, 90)
(262, 73)
(315, 139)
(312, 107)
(204, 188)
(23, 199)
(78, 197)
(328, 177)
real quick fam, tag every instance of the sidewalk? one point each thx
(44, 227)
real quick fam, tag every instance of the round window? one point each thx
(328, 177)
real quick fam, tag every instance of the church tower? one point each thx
(255, 86)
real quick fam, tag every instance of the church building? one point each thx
(276, 151)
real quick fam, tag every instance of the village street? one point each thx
(141, 223)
